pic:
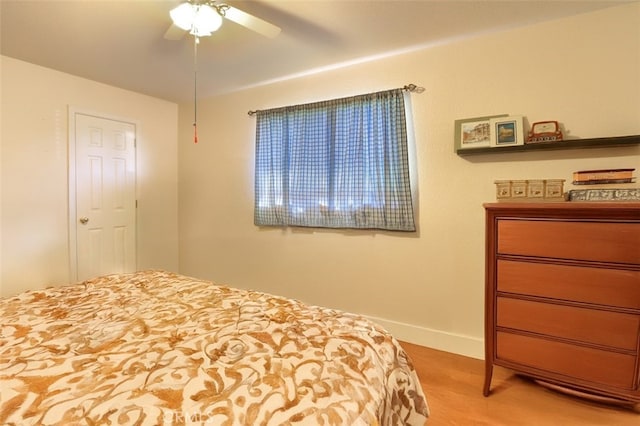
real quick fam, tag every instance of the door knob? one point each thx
(84, 220)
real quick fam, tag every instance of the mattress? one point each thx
(156, 348)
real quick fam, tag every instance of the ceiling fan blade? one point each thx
(174, 33)
(249, 21)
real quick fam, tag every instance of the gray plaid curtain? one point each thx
(341, 163)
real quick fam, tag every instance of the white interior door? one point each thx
(105, 196)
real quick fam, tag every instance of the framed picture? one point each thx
(507, 131)
(474, 132)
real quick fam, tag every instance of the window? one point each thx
(338, 164)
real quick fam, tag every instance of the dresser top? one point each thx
(567, 205)
(569, 210)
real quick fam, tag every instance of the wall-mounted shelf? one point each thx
(616, 141)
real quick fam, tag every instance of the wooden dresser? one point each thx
(563, 295)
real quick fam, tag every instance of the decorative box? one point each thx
(535, 188)
(610, 194)
(518, 188)
(503, 189)
(530, 190)
(554, 188)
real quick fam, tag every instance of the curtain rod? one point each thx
(408, 88)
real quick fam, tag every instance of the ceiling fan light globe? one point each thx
(183, 16)
(206, 20)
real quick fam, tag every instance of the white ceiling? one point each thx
(120, 42)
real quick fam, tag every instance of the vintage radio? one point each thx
(544, 131)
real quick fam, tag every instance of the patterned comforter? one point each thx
(156, 348)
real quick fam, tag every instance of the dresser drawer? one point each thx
(594, 241)
(588, 364)
(611, 287)
(613, 329)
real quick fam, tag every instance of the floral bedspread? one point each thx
(156, 348)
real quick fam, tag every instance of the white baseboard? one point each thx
(450, 342)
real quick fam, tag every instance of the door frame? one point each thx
(71, 180)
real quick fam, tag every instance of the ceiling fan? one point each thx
(202, 18)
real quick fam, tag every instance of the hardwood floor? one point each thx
(453, 386)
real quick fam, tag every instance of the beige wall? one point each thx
(1, 183)
(426, 288)
(34, 198)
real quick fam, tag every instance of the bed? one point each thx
(157, 348)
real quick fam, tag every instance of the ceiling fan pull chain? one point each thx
(195, 89)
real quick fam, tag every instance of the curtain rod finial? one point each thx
(413, 88)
